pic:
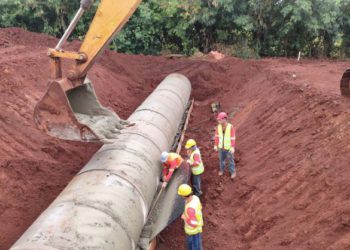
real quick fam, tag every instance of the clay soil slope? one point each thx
(293, 144)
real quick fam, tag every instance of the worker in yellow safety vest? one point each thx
(196, 164)
(225, 141)
(192, 217)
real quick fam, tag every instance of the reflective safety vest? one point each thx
(225, 140)
(199, 169)
(174, 157)
(197, 206)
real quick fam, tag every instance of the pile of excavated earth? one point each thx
(292, 189)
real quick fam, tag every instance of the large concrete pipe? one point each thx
(106, 205)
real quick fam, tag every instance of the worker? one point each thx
(171, 161)
(225, 140)
(196, 164)
(192, 217)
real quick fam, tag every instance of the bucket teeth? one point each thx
(76, 114)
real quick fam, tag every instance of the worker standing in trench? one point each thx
(192, 217)
(225, 139)
(171, 161)
(196, 164)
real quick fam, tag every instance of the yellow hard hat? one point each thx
(184, 190)
(190, 143)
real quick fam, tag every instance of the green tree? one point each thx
(245, 28)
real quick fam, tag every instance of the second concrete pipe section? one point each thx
(106, 205)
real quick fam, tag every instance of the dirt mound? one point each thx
(10, 37)
(292, 161)
(292, 189)
(34, 167)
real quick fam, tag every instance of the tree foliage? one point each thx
(318, 28)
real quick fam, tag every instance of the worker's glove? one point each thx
(232, 150)
(215, 148)
(188, 162)
(164, 184)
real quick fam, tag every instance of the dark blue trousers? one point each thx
(194, 242)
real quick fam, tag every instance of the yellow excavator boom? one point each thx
(70, 109)
(110, 17)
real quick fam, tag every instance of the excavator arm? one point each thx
(70, 109)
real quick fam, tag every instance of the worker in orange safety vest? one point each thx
(192, 217)
(171, 161)
(225, 140)
(196, 164)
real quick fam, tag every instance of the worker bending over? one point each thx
(171, 161)
(192, 217)
(196, 164)
(225, 140)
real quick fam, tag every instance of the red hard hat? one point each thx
(222, 116)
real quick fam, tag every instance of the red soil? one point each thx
(292, 190)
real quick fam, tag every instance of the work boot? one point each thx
(220, 173)
(233, 175)
(198, 194)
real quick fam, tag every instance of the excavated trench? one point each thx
(292, 189)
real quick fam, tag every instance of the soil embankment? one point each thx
(293, 152)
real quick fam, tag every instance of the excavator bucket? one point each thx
(345, 83)
(76, 114)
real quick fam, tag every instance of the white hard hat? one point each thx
(164, 157)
